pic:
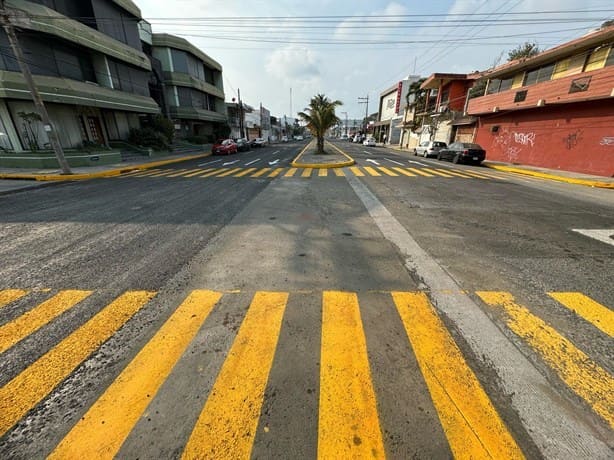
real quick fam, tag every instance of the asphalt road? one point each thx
(235, 306)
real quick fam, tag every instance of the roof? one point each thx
(578, 45)
(172, 41)
(438, 79)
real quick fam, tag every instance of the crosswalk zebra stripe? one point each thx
(10, 295)
(581, 374)
(198, 172)
(436, 172)
(291, 172)
(348, 421)
(262, 172)
(420, 172)
(404, 171)
(357, 172)
(455, 173)
(387, 171)
(245, 172)
(31, 321)
(275, 172)
(371, 171)
(598, 315)
(226, 427)
(322, 172)
(470, 421)
(228, 172)
(306, 172)
(28, 388)
(106, 425)
(339, 172)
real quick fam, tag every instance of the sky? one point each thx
(282, 52)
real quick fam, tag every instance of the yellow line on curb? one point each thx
(33, 320)
(291, 172)
(101, 432)
(262, 172)
(348, 424)
(579, 372)
(371, 171)
(403, 171)
(569, 180)
(227, 425)
(598, 315)
(419, 172)
(387, 171)
(357, 172)
(471, 423)
(10, 295)
(245, 172)
(322, 172)
(28, 388)
(306, 172)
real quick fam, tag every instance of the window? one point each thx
(545, 73)
(445, 96)
(579, 84)
(180, 61)
(506, 84)
(520, 96)
(518, 79)
(209, 76)
(596, 60)
(185, 96)
(493, 86)
(610, 60)
(530, 78)
(561, 68)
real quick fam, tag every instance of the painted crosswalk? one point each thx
(226, 420)
(305, 173)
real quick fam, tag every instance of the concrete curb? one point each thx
(109, 173)
(569, 180)
(295, 163)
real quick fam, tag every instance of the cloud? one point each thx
(293, 63)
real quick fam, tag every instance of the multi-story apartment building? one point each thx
(194, 90)
(554, 110)
(392, 104)
(88, 64)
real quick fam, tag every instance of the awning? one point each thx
(464, 121)
(382, 123)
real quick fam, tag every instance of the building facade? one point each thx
(89, 66)
(554, 110)
(392, 103)
(193, 88)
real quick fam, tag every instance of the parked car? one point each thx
(242, 145)
(298, 138)
(428, 149)
(284, 138)
(343, 137)
(462, 152)
(369, 141)
(259, 142)
(357, 139)
(224, 147)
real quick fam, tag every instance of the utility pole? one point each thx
(346, 122)
(241, 116)
(365, 100)
(36, 97)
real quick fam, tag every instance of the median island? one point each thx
(331, 157)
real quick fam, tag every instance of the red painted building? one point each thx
(554, 110)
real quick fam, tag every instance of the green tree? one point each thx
(320, 116)
(526, 50)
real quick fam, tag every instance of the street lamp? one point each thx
(346, 122)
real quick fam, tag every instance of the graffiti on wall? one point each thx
(607, 140)
(511, 143)
(572, 139)
(524, 138)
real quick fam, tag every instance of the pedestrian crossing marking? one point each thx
(198, 172)
(149, 172)
(357, 172)
(245, 172)
(470, 421)
(228, 172)
(227, 425)
(580, 373)
(404, 171)
(306, 172)
(33, 320)
(420, 172)
(167, 173)
(436, 172)
(598, 315)
(371, 171)
(212, 173)
(348, 420)
(456, 173)
(106, 425)
(183, 172)
(10, 295)
(387, 171)
(291, 172)
(29, 387)
(262, 172)
(322, 172)
(276, 172)
(338, 172)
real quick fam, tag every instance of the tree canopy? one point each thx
(320, 116)
(526, 50)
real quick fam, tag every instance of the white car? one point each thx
(298, 138)
(369, 141)
(284, 139)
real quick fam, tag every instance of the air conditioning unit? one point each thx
(541, 103)
(443, 108)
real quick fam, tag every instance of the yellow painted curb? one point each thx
(569, 180)
(109, 173)
(295, 163)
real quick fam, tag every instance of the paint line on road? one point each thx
(273, 163)
(201, 171)
(10, 295)
(227, 425)
(228, 172)
(419, 172)
(322, 172)
(372, 161)
(598, 315)
(371, 171)
(291, 172)
(276, 172)
(436, 172)
(245, 172)
(275, 153)
(348, 424)
(387, 171)
(252, 162)
(28, 388)
(356, 171)
(395, 162)
(229, 163)
(417, 163)
(604, 235)
(306, 172)
(261, 172)
(469, 419)
(106, 425)
(404, 172)
(210, 162)
(338, 172)
(367, 152)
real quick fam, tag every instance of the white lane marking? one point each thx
(417, 163)
(209, 163)
(252, 162)
(271, 163)
(367, 152)
(275, 153)
(604, 235)
(230, 163)
(392, 161)
(556, 433)
(372, 161)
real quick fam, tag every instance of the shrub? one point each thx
(164, 126)
(148, 137)
(200, 139)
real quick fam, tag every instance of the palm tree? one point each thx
(320, 116)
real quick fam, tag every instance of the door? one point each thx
(95, 130)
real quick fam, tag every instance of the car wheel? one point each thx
(456, 159)
(438, 157)
(426, 154)
(415, 152)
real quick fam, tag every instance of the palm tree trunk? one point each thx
(320, 144)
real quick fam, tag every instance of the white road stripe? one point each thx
(275, 153)
(605, 236)
(418, 163)
(252, 162)
(209, 163)
(392, 161)
(367, 152)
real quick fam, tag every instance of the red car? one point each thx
(224, 147)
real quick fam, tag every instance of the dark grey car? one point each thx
(462, 152)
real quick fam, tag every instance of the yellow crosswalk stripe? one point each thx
(322, 172)
(28, 388)
(106, 425)
(420, 172)
(245, 172)
(214, 172)
(371, 171)
(33, 320)
(473, 175)
(436, 172)
(167, 172)
(262, 172)
(338, 172)
(137, 172)
(348, 424)
(404, 172)
(598, 315)
(455, 173)
(229, 172)
(227, 425)
(10, 295)
(470, 421)
(291, 172)
(148, 172)
(198, 172)
(306, 172)
(357, 172)
(276, 172)
(183, 172)
(387, 171)
(486, 175)
(581, 374)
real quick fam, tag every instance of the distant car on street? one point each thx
(243, 145)
(284, 138)
(298, 138)
(369, 141)
(428, 149)
(357, 139)
(259, 142)
(224, 147)
(462, 152)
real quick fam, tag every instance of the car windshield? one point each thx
(472, 146)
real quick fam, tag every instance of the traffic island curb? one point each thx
(341, 164)
(554, 177)
(96, 175)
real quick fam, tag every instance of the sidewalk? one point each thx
(569, 177)
(334, 157)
